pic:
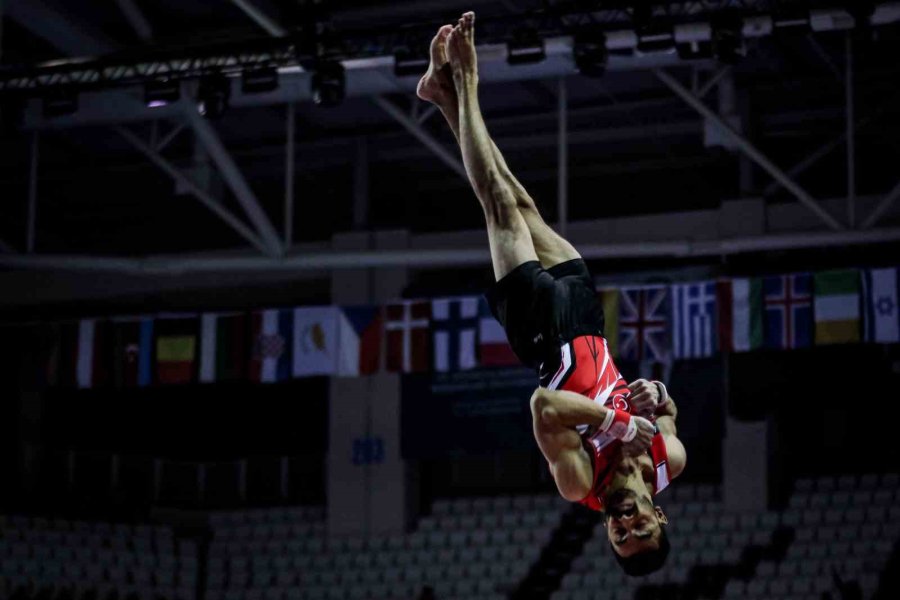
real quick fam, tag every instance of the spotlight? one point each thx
(161, 92)
(329, 84)
(526, 47)
(410, 62)
(791, 21)
(60, 102)
(728, 38)
(590, 53)
(213, 96)
(259, 80)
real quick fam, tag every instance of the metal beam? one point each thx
(136, 19)
(882, 207)
(563, 158)
(232, 175)
(289, 172)
(437, 258)
(269, 24)
(208, 201)
(749, 149)
(32, 192)
(423, 136)
(170, 137)
(713, 81)
(60, 30)
(851, 133)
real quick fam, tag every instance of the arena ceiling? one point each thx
(634, 146)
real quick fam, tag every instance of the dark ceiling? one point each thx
(635, 147)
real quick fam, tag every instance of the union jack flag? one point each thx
(644, 323)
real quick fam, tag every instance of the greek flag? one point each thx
(694, 319)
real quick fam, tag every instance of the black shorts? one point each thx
(542, 309)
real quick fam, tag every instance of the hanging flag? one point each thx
(788, 316)
(132, 359)
(272, 333)
(739, 314)
(454, 329)
(224, 344)
(406, 327)
(882, 315)
(359, 347)
(176, 349)
(694, 320)
(493, 347)
(837, 307)
(609, 299)
(92, 345)
(644, 323)
(315, 349)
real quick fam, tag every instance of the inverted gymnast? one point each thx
(610, 446)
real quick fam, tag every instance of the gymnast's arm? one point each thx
(666, 415)
(556, 414)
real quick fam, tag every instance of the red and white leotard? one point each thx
(587, 369)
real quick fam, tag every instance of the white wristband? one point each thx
(608, 420)
(631, 432)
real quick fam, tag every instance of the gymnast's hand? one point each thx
(642, 441)
(643, 398)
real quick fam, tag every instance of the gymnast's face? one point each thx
(633, 524)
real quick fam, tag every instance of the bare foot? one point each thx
(461, 47)
(436, 86)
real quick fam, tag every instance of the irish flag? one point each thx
(837, 307)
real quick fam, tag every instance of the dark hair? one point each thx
(649, 561)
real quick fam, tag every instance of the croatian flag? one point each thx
(359, 330)
(272, 337)
(493, 348)
(454, 328)
(694, 319)
(788, 311)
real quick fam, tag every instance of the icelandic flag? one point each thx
(454, 328)
(493, 348)
(788, 314)
(881, 294)
(272, 334)
(359, 332)
(644, 323)
(694, 319)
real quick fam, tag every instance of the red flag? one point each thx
(406, 326)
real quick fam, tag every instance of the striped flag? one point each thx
(272, 332)
(224, 340)
(92, 345)
(132, 359)
(609, 300)
(739, 314)
(882, 316)
(176, 349)
(694, 320)
(837, 307)
(454, 329)
(493, 348)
